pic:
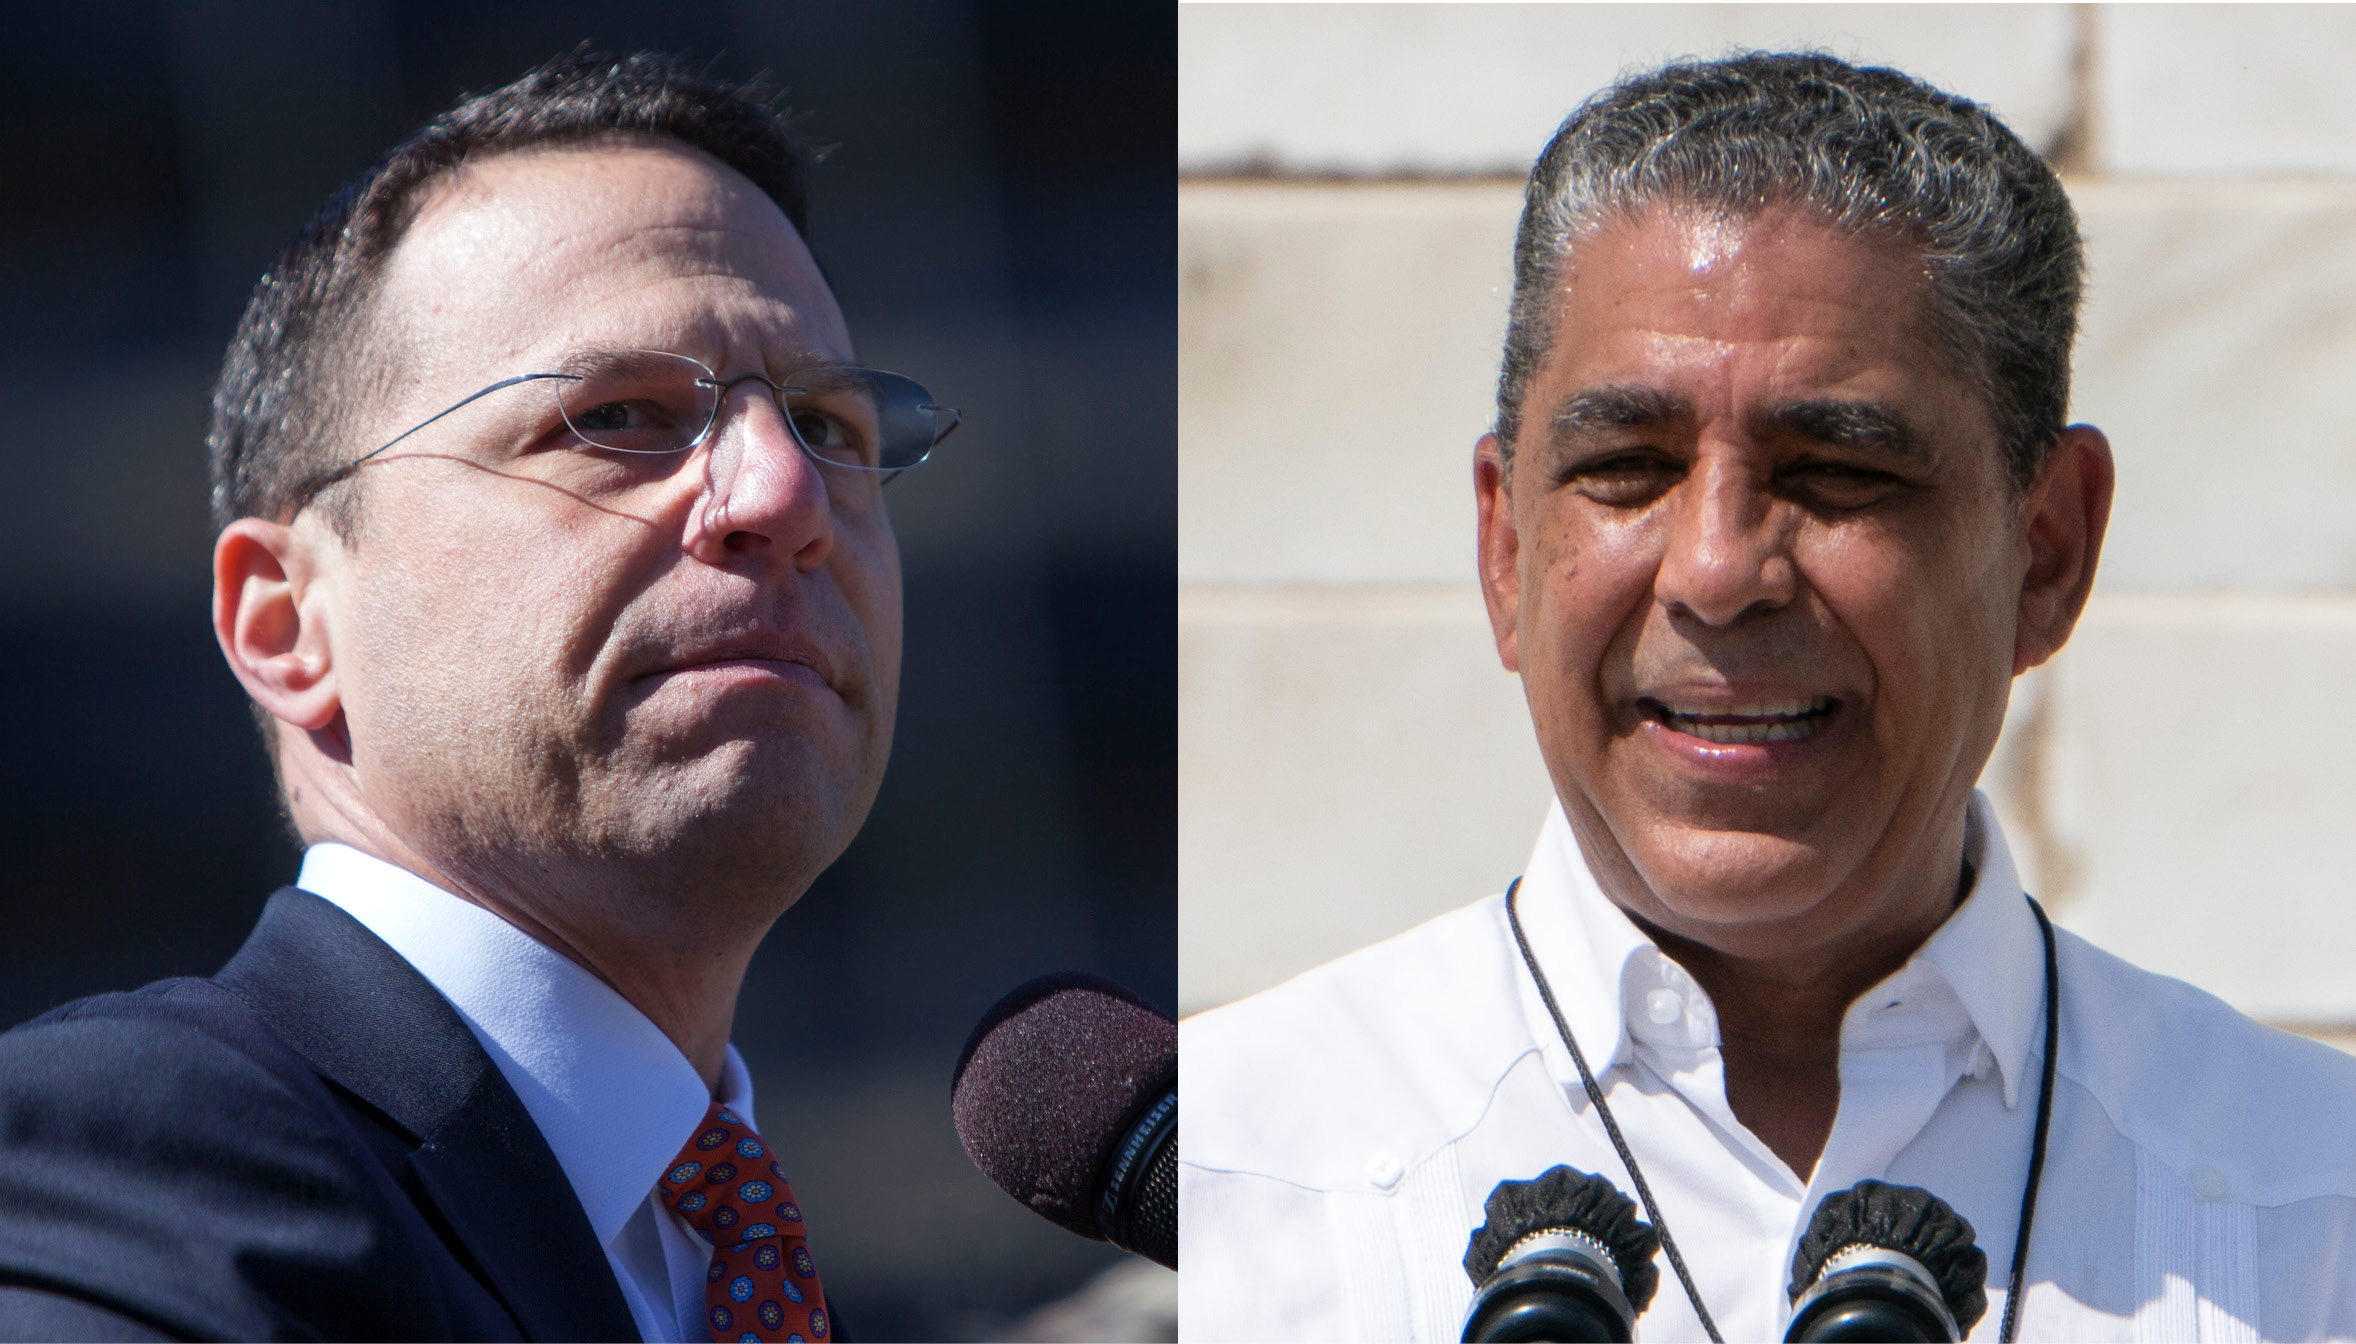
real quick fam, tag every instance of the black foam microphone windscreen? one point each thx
(1067, 1097)
(1563, 1257)
(1887, 1262)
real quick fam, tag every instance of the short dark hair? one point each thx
(294, 371)
(1875, 152)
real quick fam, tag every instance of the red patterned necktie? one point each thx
(762, 1284)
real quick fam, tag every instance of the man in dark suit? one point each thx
(554, 556)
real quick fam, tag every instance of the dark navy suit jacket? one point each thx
(309, 1145)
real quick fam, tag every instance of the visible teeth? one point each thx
(1766, 721)
(1767, 709)
(1729, 733)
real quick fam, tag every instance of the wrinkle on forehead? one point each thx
(617, 242)
(1695, 287)
(1717, 256)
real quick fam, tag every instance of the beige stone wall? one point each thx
(1353, 760)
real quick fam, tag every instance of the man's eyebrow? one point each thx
(1603, 408)
(1843, 424)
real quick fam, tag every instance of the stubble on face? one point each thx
(517, 701)
(1763, 591)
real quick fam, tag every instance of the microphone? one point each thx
(1887, 1262)
(1562, 1258)
(1067, 1097)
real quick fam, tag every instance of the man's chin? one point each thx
(751, 862)
(759, 802)
(1704, 879)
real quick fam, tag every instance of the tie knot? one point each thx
(761, 1284)
(727, 1186)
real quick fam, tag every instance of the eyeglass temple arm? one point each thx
(495, 387)
(348, 468)
(955, 419)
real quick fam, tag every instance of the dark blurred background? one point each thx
(998, 219)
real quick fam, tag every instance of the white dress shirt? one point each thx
(1345, 1128)
(614, 1098)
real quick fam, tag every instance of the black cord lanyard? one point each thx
(2020, 1244)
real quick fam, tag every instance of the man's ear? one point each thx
(271, 619)
(2063, 518)
(1500, 548)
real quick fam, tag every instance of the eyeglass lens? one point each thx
(649, 401)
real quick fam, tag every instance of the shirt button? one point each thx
(1384, 1170)
(1664, 1006)
(2209, 1184)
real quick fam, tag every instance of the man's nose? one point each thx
(1728, 546)
(762, 492)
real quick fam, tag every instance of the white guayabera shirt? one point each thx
(1344, 1129)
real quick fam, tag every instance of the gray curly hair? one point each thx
(1877, 153)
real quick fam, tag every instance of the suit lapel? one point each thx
(371, 1024)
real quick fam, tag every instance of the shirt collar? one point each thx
(614, 1098)
(1612, 984)
(1991, 953)
(1585, 944)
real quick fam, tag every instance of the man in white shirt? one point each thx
(554, 554)
(1780, 498)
